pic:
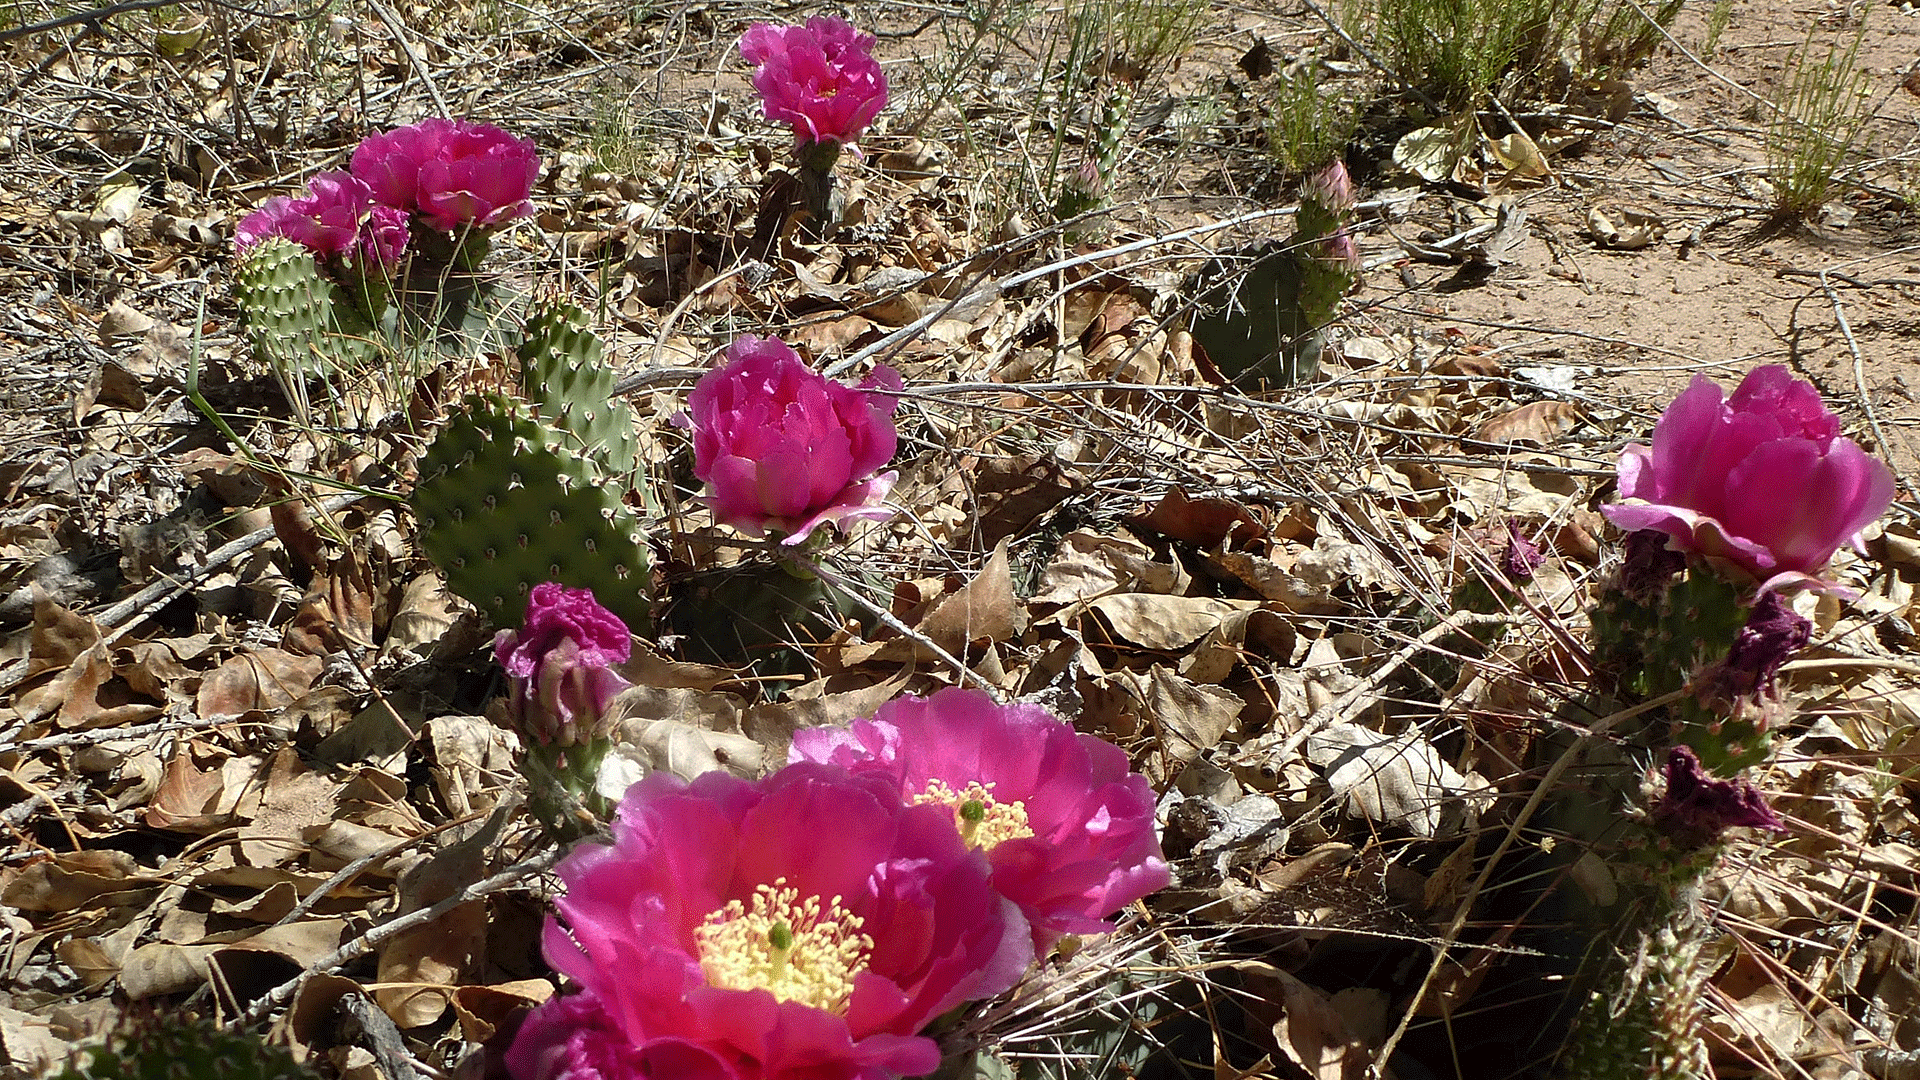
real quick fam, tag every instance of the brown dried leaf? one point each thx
(1207, 521)
(1191, 719)
(427, 962)
(1010, 493)
(1540, 423)
(75, 880)
(483, 1009)
(1087, 565)
(982, 609)
(1156, 621)
(1396, 780)
(1306, 1028)
(191, 798)
(263, 679)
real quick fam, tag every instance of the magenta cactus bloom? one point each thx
(336, 219)
(390, 161)
(1762, 480)
(1066, 824)
(560, 661)
(820, 78)
(718, 921)
(785, 448)
(482, 177)
(457, 174)
(275, 217)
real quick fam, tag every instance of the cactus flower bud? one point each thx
(1331, 187)
(787, 449)
(1762, 481)
(820, 78)
(1697, 808)
(560, 663)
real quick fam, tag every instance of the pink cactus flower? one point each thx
(560, 661)
(820, 78)
(787, 449)
(336, 219)
(456, 173)
(390, 162)
(482, 177)
(275, 217)
(1762, 480)
(1066, 824)
(721, 921)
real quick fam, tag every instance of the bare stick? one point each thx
(1860, 380)
(367, 942)
(413, 58)
(162, 592)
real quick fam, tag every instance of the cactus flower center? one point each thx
(984, 821)
(794, 947)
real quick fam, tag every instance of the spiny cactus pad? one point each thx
(299, 322)
(572, 390)
(506, 502)
(181, 1047)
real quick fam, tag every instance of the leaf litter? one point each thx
(224, 793)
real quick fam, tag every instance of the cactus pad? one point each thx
(505, 504)
(572, 388)
(299, 321)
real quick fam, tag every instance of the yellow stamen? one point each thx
(796, 949)
(984, 822)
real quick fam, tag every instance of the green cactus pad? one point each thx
(181, 1047)
(299, 322)
(757, 614)
(1266, 324)
(503, 506)
(572, 388)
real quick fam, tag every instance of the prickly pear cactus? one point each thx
(1267, 325)
(506, 501)
(1647, 1024)
(181, 1047)
(516, 492)
(1653, 641)
(298, 320)
(759, 614)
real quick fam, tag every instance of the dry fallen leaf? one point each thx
(1396, 780)
(1540, 423)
